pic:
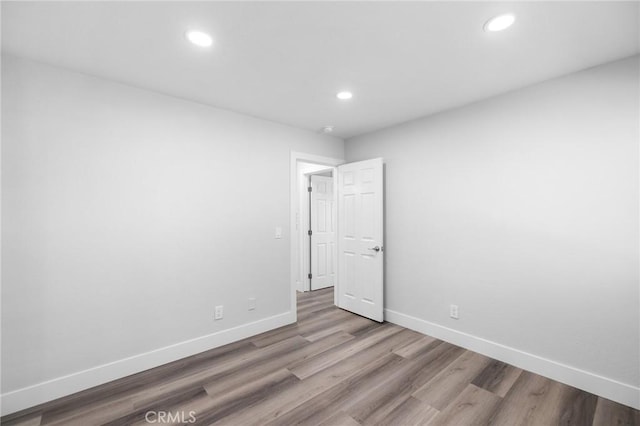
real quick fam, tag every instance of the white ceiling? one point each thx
(285, 61)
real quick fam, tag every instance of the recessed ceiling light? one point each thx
(499, 23)
(344, 96)
(327, 129)
(199, 38)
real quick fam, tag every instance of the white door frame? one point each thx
(295, 158)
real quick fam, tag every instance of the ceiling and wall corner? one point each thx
(286, 61)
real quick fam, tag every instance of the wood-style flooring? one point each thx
(332, 368)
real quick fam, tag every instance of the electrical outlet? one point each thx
(453, 311)
(278, 232)
(219, 312)
(252, 303)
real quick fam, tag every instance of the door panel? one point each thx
(322, 260)
(323, 232)
(349, 220)
(360, 231)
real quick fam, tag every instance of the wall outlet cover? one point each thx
(453, 311)
(219, 312)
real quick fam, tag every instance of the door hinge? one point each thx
(310, 276)
(309, 189)
(309, 232)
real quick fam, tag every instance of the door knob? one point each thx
(376, 248)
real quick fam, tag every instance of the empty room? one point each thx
(326, 213)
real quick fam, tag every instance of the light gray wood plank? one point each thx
(95, 415)
(413, 349)
(209, 410)
(33, 420)
(444, 387)
(411, 412)
(497, 377)
(351, 369)
(281, 403)
(320, 322)
(609, 413)
(318, 363)
(368, 399)
(255, 371)
(349, 326)
(340, 419)
(229, 366)
(535, 400)
(388, 394)
(473, 406)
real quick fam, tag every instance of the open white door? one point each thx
(323, 232)
(360, 233)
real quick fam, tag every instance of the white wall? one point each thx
(523, 210)
(127, 215)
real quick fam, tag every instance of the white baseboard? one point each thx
(47, 391)
(602, 386)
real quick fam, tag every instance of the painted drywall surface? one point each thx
(128, 215)
(523, 211)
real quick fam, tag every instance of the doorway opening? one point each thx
(303, 167)
(352, 198)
